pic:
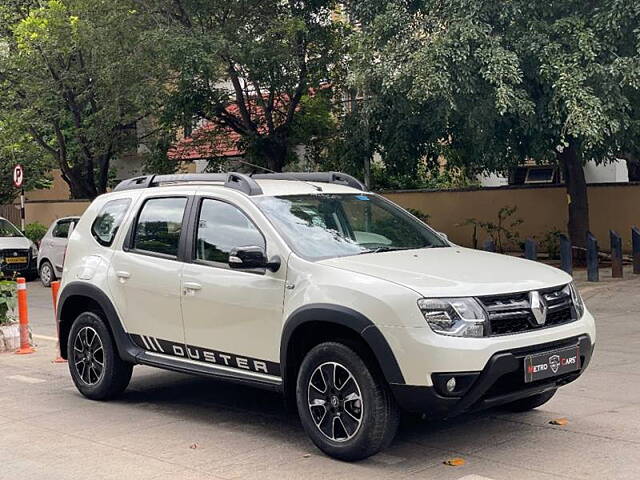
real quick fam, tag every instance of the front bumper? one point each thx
(501, 381)
(30, 268)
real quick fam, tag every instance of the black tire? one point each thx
(97, 384)
(47, 278)
(529, 403)
(378, 413)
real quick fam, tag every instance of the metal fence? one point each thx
(11, 213)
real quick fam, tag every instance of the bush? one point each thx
(35, 231)
(7, 302)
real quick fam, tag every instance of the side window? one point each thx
(61, 230)
(105, 226)
(222, 227)
(159, 225)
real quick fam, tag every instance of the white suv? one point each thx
(309, 285)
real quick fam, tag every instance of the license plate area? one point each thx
(551, 364)
(9, 260)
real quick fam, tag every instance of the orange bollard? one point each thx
(23, 313)
(55, 288)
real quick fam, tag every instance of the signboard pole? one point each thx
(22, 213)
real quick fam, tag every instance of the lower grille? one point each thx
(512, 313)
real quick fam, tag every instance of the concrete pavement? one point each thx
(183, 427)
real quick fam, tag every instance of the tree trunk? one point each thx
(274, 151)
(576, 186)
(79, 186)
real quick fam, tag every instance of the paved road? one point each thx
(174, 426)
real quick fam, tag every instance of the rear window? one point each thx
(159, 226)
(105, 226)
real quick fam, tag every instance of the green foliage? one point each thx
(8, 302)
(247, 66)
(492, 84)
(35, 231)
(550, 243)
(502, 231)
(75, 78)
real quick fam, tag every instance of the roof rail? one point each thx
(237, 181)
(320, 177)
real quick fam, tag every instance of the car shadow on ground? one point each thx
(208, 402)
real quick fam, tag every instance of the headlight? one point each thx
(578, 303)
(458, 317)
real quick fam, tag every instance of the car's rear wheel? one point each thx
(529, 403)
(346, 408)
(47, 275)
(96, 368)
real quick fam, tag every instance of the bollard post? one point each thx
(530, 249)
(55, 288)
(593, 275)
(635, 241)
(616, 254)
(23, 313)
(489, 246)
(566, 255)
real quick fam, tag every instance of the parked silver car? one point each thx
(52, 248)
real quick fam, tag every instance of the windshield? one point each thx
(8, 230)
(326, 226)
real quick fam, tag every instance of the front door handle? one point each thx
(123, 275)
(192, 286)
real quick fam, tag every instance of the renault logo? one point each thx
(538, 307)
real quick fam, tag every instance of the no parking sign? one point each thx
(18, 176)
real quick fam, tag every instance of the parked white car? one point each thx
(18, 254)
(310, 285)
(52, 248)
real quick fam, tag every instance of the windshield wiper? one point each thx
(385, 249)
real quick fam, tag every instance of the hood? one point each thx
(453, 271)
(14, 242)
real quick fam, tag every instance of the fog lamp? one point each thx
(451, 384)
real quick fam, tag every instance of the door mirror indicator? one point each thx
(248, 258)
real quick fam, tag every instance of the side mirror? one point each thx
(249, 258)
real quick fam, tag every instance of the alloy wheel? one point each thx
(88, 356)
(335, 401)
(45, 274)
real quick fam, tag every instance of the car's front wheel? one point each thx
(346, 408)
(96, 368)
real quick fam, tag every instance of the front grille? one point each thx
(511, 313)
(12, 253)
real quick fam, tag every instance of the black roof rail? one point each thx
(237, 181)
(320, 177)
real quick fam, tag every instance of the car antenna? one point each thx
(317, 188)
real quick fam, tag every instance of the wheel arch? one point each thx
(312, 324)
(41, 260)
(78, 297)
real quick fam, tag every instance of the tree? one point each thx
(505, 82)
(247, 66)
(76, 76)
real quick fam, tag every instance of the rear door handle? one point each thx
(192, 286)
